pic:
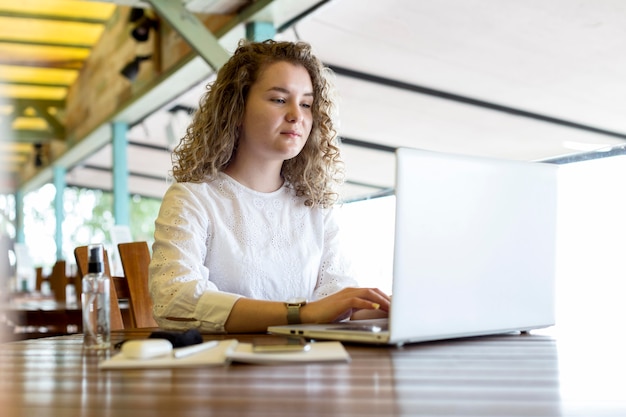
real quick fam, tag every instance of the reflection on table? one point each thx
(46, 307)
(30, 315)
(525, 375)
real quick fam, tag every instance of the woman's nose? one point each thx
(294, 114)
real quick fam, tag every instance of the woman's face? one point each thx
(278, 115)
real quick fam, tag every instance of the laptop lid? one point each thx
(475, 246)
(474, 251)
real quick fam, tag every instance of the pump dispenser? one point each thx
(96, 301)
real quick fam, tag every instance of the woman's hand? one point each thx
(252, 316)
(365, 302)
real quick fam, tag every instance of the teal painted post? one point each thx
(59, 185)
(260, 31)
(121, 196)
(20, 237)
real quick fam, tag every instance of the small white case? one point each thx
(146, 349)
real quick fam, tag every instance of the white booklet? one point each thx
(230, 350)
(319, 352)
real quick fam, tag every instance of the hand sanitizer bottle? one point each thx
(96, 302)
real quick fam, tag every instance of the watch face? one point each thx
(297, 300)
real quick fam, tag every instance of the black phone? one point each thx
(279, 344)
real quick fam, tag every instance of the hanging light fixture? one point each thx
(39, 157)
(131, 69)
(143, 25)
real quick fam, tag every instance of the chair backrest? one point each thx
(39, 278)
(135, 258)
(82, 262)
(58, 281)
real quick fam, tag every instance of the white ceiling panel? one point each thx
(555, 57)
(514, 79)
(395, 117)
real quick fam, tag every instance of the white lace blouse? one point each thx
(218, 241)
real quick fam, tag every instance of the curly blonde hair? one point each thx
(211, 139)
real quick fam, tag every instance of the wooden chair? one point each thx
(135, 258)
(58, 281)
(39, 278)
(119, 287)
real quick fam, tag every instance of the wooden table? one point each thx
(506, 375)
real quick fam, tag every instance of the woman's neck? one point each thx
(262, 179)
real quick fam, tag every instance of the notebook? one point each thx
(474, 251)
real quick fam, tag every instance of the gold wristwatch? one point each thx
(293, 310)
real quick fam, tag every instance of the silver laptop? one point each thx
(474, 254)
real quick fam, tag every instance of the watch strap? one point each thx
(293, 310)
(293, 314)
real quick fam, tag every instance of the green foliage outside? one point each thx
(88, 218)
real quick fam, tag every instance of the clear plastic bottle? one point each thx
(96, 302)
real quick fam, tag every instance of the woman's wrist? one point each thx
(306, 314)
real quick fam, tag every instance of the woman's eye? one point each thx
(306, 105)
(279, 100)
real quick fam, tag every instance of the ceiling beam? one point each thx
(193, 69)
(203, 42)
(619, 150)
(130, 173)
(57, 127)
(69, 65)
(31, 136)
(31, 84)
(367, 145)
(388, 82)
(78, 152)
(46, 43)
(27, 102)
(42, 110)
(186, 74)
(286, 25)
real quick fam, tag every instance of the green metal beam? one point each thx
(57, 127)
(31, 136)
(203, 42)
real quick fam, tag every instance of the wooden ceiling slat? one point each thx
(53, 17)
(43, 45)
(33, 30)
(67, 9)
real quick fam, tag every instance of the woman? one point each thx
(249, 223)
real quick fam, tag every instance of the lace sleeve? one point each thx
(183, 295)
(336, 270)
